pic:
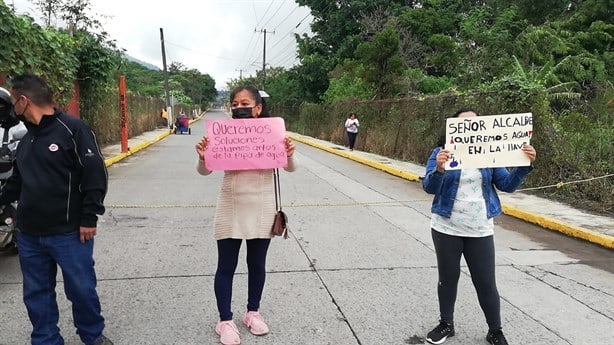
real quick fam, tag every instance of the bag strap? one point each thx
(277, 190)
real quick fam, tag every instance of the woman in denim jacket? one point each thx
(462, 223)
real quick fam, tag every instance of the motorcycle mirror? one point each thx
(19, 133)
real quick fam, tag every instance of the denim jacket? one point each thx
(445, 185)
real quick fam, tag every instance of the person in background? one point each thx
(164, 117)
(60, 180)
(462, 214)
(351, 126)
(245, 211)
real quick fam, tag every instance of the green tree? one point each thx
(346, 83)
(540, 12)
(486, 43)
(337, 32)
(197, 88)
(49, 9)
(200, 87)
(312, 76)
(28, 48)
(381, 62)
(142, 80)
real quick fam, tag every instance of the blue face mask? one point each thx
(242, 113)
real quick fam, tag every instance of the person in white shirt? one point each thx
(351, 126)
(462, 224)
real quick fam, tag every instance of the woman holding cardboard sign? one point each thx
(245, 211)
(463, 208)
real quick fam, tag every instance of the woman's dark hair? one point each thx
(442, 137)
(255, 94)
(464, 110)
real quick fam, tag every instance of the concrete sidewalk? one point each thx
(546, 213)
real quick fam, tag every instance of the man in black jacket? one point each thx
(60, 181)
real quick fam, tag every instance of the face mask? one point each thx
(21, 116)
(242, 113)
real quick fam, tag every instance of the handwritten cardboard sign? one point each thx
(246, 144)
(488, 141)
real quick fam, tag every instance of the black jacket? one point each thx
(59, 178)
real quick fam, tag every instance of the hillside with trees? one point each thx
(403, 66)
(416, 61)
(81, 53)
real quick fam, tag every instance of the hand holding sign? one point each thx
(289, 147)
(442, 159)
(246, 144)
(201, 147)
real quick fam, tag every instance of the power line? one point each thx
(273, 16)
(284, 50)
(254, 6)
(265, 12)
(251, 52)
(199, 52)
(283, 63)
(264, 57)
(288, 16)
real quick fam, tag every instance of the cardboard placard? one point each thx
(246, 144)
(488, 141)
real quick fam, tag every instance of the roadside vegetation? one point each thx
(81, 53)
(402, 66)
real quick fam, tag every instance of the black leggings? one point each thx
(479, 254)
(227, 258)
(352, 139)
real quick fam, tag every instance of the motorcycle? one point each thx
(8, 232)
(11, 132)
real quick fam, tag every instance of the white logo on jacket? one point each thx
(53, 147)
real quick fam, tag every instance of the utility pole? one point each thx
(264, 57)
(167, 95)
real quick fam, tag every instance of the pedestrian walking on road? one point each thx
(463, 208)
(60, 180)
(351, 127)
(245, 211)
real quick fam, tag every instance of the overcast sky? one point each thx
(222, 38)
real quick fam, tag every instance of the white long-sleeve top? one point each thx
(352, 125)
(246, 202)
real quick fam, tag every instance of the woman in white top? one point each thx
(351, 126)
(463, 208)
(245, 211)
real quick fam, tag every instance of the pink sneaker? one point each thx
(228, 332)
(254, 321)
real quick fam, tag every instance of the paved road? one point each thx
(358, 269)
